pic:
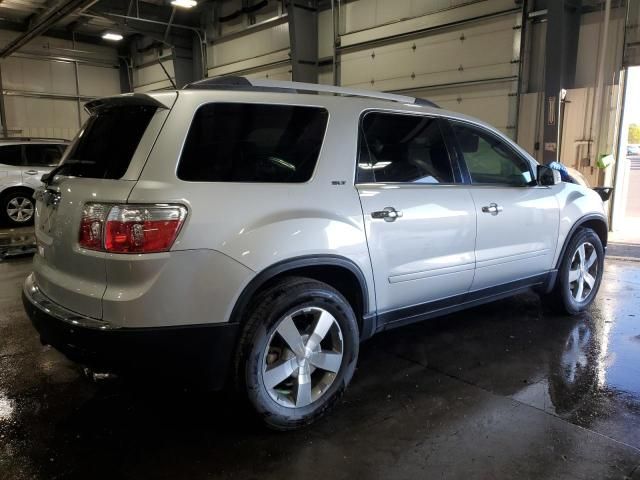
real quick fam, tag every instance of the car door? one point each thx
(420, 220)
(40, 158)
(517, 220)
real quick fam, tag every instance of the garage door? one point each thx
(494, 102)
(470, 68)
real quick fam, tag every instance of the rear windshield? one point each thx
(236, 142)
(107, 142)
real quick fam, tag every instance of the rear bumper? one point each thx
(199, 353)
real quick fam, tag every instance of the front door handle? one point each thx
(389, 214)
(31, 172)
(493, 208)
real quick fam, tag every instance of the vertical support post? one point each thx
(335, 25)
(77, 75)
(3, 112)
(563, 27)
(126, 82)
(303, 38)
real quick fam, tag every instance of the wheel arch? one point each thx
(598, 223)
(339, 272)
(16, 188)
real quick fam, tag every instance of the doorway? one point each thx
(626, 207)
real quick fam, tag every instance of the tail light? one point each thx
(130, 228)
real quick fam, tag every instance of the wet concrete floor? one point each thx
(507, 390)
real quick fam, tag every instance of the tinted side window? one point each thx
(11, 155)
(489, 159)
(403, 148)
(42, 155)
(235, 142)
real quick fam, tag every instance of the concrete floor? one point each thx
(507, 390)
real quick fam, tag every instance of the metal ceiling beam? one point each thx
(45, 20)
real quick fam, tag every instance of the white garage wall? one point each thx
(252, 50)
(470, 67)
(462, 54)
(46, 82)
(147, 74)
(494, 101)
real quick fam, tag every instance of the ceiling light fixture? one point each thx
(184, 3)
(114, 37)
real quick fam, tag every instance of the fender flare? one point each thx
(368, 317)
(553, 274)
(576, 225)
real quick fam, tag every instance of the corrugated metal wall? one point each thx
(147, 74)
(257, 49)
(47, 81)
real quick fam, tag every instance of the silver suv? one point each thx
(23, 161)
(254, 233)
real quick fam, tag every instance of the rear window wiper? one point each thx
(47, 177)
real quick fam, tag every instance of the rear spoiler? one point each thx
(129, 99)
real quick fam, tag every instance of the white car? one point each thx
(255, 232)
(23, 161)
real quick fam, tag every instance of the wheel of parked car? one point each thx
(580, 272)
(17, 208)
(297, 352)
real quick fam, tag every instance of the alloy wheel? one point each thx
(303, 357)
(20, 209)
(583, 272)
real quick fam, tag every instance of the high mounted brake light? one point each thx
(130, 228)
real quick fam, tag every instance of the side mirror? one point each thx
(548, 176)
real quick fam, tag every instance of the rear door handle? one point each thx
(493, 209)
(389, 214)
(31, 172)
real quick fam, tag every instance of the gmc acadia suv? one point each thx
(254, 233)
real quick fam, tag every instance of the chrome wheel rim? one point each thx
(583, 272)
(303, 357)
(20, 209)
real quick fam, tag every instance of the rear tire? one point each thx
(580, 273)
(297, 352)
(17, 208)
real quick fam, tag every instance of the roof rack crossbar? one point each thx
(243, 83)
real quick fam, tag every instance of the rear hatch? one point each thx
(102, 166)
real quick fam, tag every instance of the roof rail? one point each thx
(34, 139)
(243, 83)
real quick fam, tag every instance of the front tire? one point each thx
(297, 352)
(17, 208)
(580, 272)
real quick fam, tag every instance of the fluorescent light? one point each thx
(115, 37)
(184, 3)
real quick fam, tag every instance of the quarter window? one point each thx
(235, 142)
(403, 148)
(489, 159)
